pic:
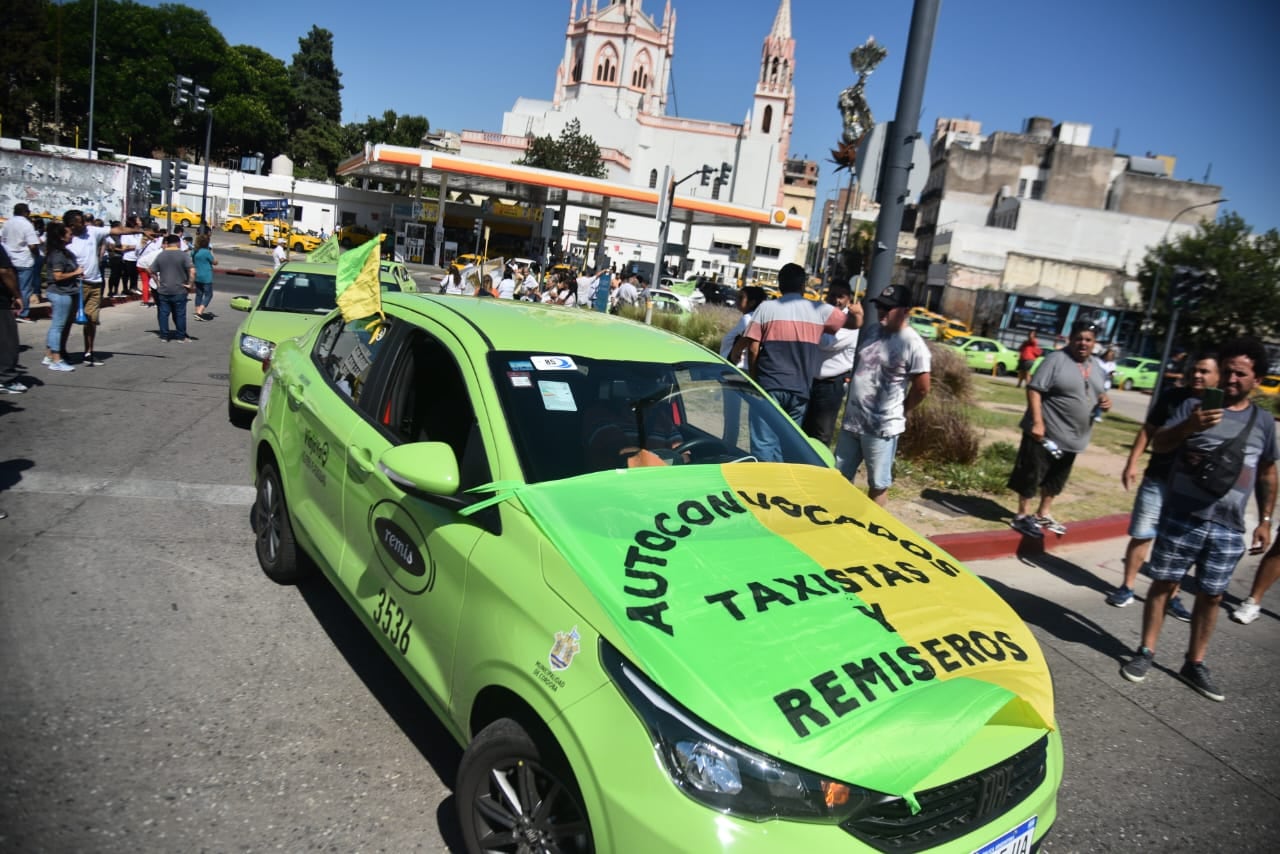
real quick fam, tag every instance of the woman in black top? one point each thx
(62, 285)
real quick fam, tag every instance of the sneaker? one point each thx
(90, 362)
(1120, 597)
(1026, 526)
(13, 388)
(1247, 611)
(1177, 610)
(135, 291)
(61, 366)
(1197, 676)
(22, 319)
(1051, 524)
(1135, 670)
(46, 361)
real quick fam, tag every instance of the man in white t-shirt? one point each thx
(280, 254)
(23, 245)
(827, 391)
(891, 379)
(85, 244)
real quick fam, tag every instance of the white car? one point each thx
(665, 300)
(696, 298)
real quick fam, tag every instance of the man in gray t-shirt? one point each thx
(1057, 425)
(175, 273)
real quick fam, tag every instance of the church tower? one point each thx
(616, 57)
(773, 109)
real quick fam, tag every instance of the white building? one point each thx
(614, 79)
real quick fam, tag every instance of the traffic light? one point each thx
(725, 169)
(199, 102)
(181, 90)
(1190, 286)
(179, 173)
(706, 175)
(479, 227)
(166, 175)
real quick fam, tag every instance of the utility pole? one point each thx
(903, 132)
(665, 206)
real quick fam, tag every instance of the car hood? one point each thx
(276, 326)
(780, 605)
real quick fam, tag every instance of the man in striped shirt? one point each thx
(782, 351)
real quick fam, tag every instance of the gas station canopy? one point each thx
(540, 187)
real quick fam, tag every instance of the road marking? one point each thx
(135, 487)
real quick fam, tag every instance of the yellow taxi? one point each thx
(301, 241)
(182, 216)
(353, 235)
(949, 328)
(1269, 385)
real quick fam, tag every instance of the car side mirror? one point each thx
(241, 303)
(422, 468)
(823, 451)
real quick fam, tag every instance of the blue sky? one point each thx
(1187, 78)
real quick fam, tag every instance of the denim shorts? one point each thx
(1213, 550)
(1146, 509)
(878, 451)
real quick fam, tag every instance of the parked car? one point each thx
(291, 301)
(926, 327)
(1136, 373)
(986, 354)
(643, 639)
(949, 328)
(240, 224)
(1269, 385)
(184, 217)
(469, 259)
(353, 235)
(670, 301)
(302, 241)
(265, 232)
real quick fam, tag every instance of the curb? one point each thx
(987, 545)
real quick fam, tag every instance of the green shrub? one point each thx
(707, 325)
(950, 376)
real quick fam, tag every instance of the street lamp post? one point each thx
(1155, 281)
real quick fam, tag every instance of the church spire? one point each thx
(782, 21)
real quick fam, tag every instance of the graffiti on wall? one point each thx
(51, 184)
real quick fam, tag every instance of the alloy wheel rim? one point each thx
(526, 808)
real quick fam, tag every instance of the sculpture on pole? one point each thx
(854, 109)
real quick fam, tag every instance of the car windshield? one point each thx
(1130, 363)
(308, 292)
(570, 415)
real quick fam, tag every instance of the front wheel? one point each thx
(185, 223)
(1127, 385)
(516, 795)
(278, 553)
(236, 229)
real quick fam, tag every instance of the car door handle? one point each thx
(360, 459)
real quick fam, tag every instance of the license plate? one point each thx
(1016, 841)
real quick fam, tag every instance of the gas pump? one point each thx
(415, 241)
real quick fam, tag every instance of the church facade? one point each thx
(614, 79)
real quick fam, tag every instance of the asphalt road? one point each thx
(160, 694)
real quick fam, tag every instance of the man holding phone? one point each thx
(1150, 496)
(1203, 528)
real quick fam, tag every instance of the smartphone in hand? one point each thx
(1211, 399)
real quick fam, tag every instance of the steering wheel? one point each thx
(698, 442)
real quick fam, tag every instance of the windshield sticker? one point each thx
(557, 396)
(554, 363)
(520, 365)
(520, 380)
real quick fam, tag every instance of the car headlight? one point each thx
(718, 771)
(256, 348)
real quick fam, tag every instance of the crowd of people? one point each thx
(75, 263)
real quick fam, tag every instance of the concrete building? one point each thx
(614, 79)
(1044, 214)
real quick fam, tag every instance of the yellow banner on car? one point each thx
(358, 287)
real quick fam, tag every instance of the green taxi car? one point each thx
(1134, 373)
(986, 354)
(292, 300)
(561, 528)
(927, 328)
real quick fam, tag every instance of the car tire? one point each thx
(504, 750)
(1127, 385)
(185, 223)
(278, 553)
(236, 229)
(1000, 370)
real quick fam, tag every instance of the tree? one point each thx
(574, 152)
(1245, 298)
(26, 68)
(315, 114)
(253, 93)
(390, 128)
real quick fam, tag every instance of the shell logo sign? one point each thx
(778, 217)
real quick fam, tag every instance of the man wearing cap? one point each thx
(1056, 426)
(280, 254)
(890, 379)
(783, 354)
